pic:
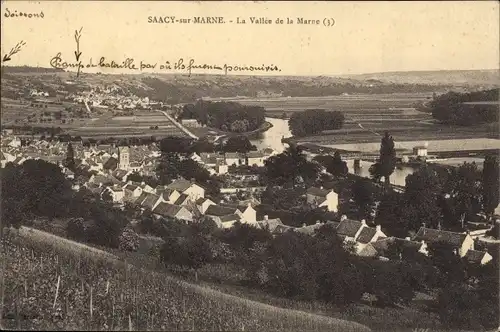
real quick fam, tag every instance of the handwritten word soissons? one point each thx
(15, 14)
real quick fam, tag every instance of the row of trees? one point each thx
(450, 107)
(314, 121)
(226, 116)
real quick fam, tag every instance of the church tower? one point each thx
(124, 157)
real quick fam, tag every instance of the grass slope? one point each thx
(99, 292)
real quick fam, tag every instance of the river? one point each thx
(272, 139)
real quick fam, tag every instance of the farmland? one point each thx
(139, 124)
(58, 286)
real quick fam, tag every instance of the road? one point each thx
(178, 125)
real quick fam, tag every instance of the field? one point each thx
(433, 146)
(120, 126)
(367, 117)
(56, 285)
(355, 105)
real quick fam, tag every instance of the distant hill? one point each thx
(489, 77)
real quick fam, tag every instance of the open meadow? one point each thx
(50, 283)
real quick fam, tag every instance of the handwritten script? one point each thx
(180, 65)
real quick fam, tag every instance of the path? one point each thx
(178, 125)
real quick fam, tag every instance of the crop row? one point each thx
(48, 287)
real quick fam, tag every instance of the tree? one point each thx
(190, 252)
(337, 167)
(422, 191)
(128, 240)
(387, 161)
(390, 214)
(75, 229)
(491, 185)
(313, 121)
(239, 144)
(290, 165)
(70, 157)
(465, 191)
(363, 196)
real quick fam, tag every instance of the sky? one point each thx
(367, 37)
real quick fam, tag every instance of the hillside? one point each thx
(482, 78)
(53, 283)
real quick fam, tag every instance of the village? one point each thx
(108, 168)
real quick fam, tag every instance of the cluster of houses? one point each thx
(110, 97)
(185, 200)
(218, 163)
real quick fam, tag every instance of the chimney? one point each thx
(266, 217)
(378, 228)
(304, 225)
(143, 183)
(318, 222)
(192, 180)
(363, 222)
(321, 187)
(343, 217)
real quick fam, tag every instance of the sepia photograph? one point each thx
(250, 166)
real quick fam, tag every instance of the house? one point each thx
(3, 159)
(151, 201)
(117, 193)
(216, 212)
(189, 188)
(203, 203)
(478, 257)
(183, 199)
(131, 191)
(227, 221)
(275, 226)
(234, 158)
(310, 229)
(120, 174)
(68, 173)
(247, 212)
(383, 246)
(168, 195)
(358, 233)
(320, 197)
(256, 158)
(460, 242)
(15, 142)
(111, 164)
(173, 211)
(420, 151)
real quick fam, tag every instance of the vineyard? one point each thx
(56, 286)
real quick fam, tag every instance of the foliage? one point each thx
(333, 165)
(239, 144)
(226, 116)
(491, 184)
(363, 196)
(314, 121)
(34, 188)
(75, 229)
(387, 161)
(390, 213)
(128, 240)
(450, 107)
(422, 191)
(70, 158)
(288, 166)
